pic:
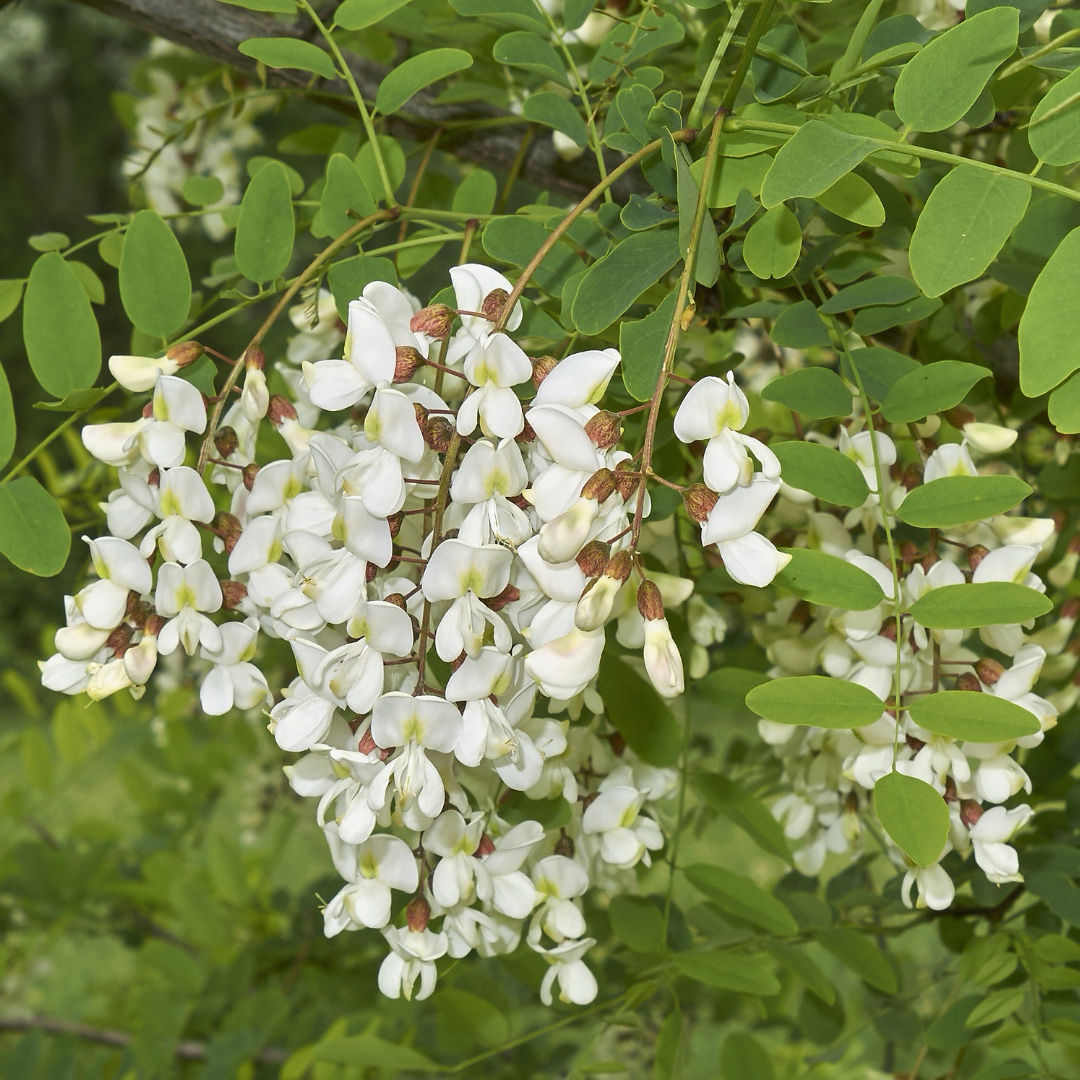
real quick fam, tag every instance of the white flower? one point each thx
(382, 863)
(577, 984)
(233, 682)
(988, 838)
(935, 887)
(662, 660)
(184, 594)
(413, 957)
(626, 837)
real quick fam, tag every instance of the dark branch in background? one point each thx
(185, 1049)
(215, 30)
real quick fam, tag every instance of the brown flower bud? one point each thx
(966, 681)
(929, 561)
(851, 802)
(148, 410)
(619, 565)
(138, 614)
(417, 914)
(434, 320)
(154, 623)
(600, 486)
(255, 359)
(226, 441)
(119, 640)
(507, 596)
(593, 558)
(913, 744)
(154, 477)
(280, 410)
(649, 601)
(249, 473)
(617, 743)
(1071, 608)
(626, 484)
(542, 367)
(699, 501)
(976, 554)
(970, 812)
(485, 847)
(564, 846)
(369, 574)
(909, 552)
(438, 432)
(494, 303)
(958, 416)
(912, 477)
(950, 790)
(526, 434)
(604, 428)
(888, 630)
(395, 521)
(184, 353)
(233, 594)
(520, 502)
(989, 671)
(367, 744)
(407, 362)
(396, 599)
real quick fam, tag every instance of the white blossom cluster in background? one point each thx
(182, 131)
(443, 576)
(831, 773)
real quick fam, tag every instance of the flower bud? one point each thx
(593, 558)
(407, 361)
(649, 601)
(600, 486)
(619, 565)
(494, 303)
(542, 367)
(596, 601)
(989, 438)
(911, 477)
(989, 671)
(663, 663)
(417, 914)
(226, 441)
(434, 320)
(249, 473)
(254, 359)
(485, 847)
(394, 522)
(438, 433)
(396, 599)
(227, 526)
(966, 681)
(280, 409)
(119, 640)
(959, 416)
(233, 594)
(507, 596)
(184, 353)
(526, 434)
(970, 812)
(699, 502)
(255, 397)
(604, 428)
(564, 846)
(976, 554)
(626, 483)
(154, 623)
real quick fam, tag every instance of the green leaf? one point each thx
(556, 112)
(615, 281)
(155, 286)
(529, 51)
(815, 701)
(266, 230)
(745, 810)
(956, 500)
(861, 954)
(347, 278)
(203, 190)
(828, 580)
(996, 1006)
(95, 289)
(879, 369)
(982, 603)
(825, 473)
(743, 974)
(772, 244)
(883, 289)
(811, 161)
(393, 158)
(774, 79)
(360, 14)
(372, 1051)
(913, 813)
(932, 388)
(417, 72)
(854, 199)
(707, 260)
(49, 241)
(76, 401)
(344, 191)
(516, 12)
(742, 1056)
(33, 532)
(1054, 129)
(476, 194)
(287, 52)
(733, 175)
(799, 327)
(277, 7)
(973, 717)
(7, 420)
(815, 392)
(37, 758)
(638, 713)
(876, 320)
(515, 239)
(484, 1021)
(642, 346)
(1049, 333)
(667, 1061)
(11, 290)
(1064, 406)
(637, 923)
(942, 81)
(964, 224)
(739, 896)
(797, 959)
(59, 328)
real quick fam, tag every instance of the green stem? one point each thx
(365, 116)
(1051, 46)
(733, 124)
(697, 110)
(757, 29)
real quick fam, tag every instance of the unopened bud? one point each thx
(396, 599)
(395, 521)
(485, 847)
(542, 367)
(593, 558)
(911, 477)
(600, 486)
(909, 552)
(950, 790)
(438, 433)
(976, 554)
(626, 483)
(407, 361)
(564, 846)
(604, 428)
(138, 614)
(367, 743)
(254, 359)
(233, 594)
(929, 561)
(153, 626)
(280, 410)
(959, 416)
(417, 914)
(526, 434)
(434, 320)
(369, 574)
(226, 441)
(989, 671)
(494, 303)
(966, 681)
(119, 640)
(619, 565)
(970, 812)
(699, 501)
(507, 596)
(649, 601)
(249, 473)
(888, 630)
(184, 353)
(1071, 608)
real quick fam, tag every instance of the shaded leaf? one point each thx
(914, 814)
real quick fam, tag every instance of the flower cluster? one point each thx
(443, 577)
